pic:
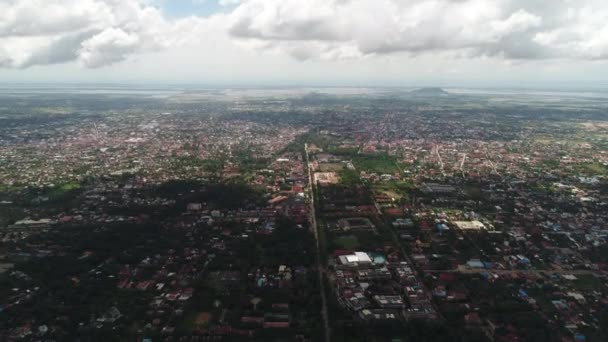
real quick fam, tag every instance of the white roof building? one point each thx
(355, 259)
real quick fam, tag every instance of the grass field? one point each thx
(596, 168)
(63, 189)
(331, 167)
(349, 177)
(379, 163)
(347, 242)
(396, 189)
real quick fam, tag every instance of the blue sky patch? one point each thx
(184, 8)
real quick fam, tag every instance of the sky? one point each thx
(514, 43)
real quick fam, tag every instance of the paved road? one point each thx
(313, 225)
(492, 164)
(407, 258)
(464, 157)
(440, 161)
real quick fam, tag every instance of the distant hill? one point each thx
(429, 92)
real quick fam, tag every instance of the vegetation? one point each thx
(349, 178)
(401, 189)
(378, 163)
(348, 242)
(592, 169)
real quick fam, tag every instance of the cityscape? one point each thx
(392, 214)
(303, 170)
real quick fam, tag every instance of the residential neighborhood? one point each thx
(283, 219)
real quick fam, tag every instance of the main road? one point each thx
(315, 229)
(406, 256)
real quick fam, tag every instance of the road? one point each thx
(492, 164)
(439, 160)
(464, 157)
(406, 257)
(315, 229)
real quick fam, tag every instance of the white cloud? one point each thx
(109, 46)
(519, 21)
(229, 2)
(96, 33)
(583, 34)
(511, 29)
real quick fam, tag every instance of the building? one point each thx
(470, 225)
(354, 260)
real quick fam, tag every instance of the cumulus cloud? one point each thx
(583, 34)
(96, 33)
(511, 29)
(229, 2)
(107, 47)
(93, 32)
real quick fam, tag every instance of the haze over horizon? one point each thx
(471, 43)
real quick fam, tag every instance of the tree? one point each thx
(255, 301)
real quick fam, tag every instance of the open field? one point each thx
(331, 167)
(348, 242)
